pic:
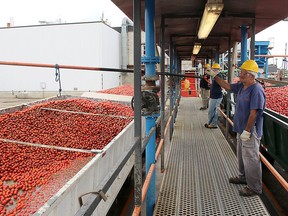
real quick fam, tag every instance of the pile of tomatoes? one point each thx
(277, 99)
(127, 90)
(26, 170)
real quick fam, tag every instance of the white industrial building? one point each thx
(89, 44)
(93, 44)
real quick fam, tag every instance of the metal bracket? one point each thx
(100, 192)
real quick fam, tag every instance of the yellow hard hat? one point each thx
(207, 65)
(216, 66)
(250, 65)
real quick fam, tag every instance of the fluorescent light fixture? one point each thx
(196, 48)
(212, 11)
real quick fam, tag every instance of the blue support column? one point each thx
(150, 61)
(171, 54)
(150, 158)
(266, 68)
(243, 43)
(173, 88)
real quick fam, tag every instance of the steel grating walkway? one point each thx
(198, 166)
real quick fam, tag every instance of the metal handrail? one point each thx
(26, 64)
(137, 209)
(78, 67)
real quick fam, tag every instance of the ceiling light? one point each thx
(212, 11)
(196, 48)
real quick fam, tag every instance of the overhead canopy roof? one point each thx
(182, 20)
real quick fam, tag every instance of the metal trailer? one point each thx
(93, 174)
(275, 138)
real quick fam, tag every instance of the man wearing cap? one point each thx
(215, 99)
(205, 88)
(248, 123)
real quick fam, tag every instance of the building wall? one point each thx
(127, 78)
(78, 44)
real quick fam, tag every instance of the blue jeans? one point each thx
(213, 112)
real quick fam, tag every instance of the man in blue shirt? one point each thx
(205, 88)
(248, 123)
(216, 96)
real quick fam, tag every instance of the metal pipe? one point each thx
(149, 177)
(178, 75)
(171, 90)
(125, 22)
(161, 143)
(162, 87)
(147, 137)
(217, 55)
(150, 74)
(234, 60)
(137, 209)
(150, 38)
(74, 67)
(51, 146)
(243, 43)
(85, 113)
(271, 56)
(137, 97)
(266, 68)
(274, 172)
(252, 43)
(64, 66)
(150, 160)
(229, 81)
(228, 119)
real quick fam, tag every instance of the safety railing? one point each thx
(137, 209)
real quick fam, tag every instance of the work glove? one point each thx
(211, 73)
(245, 136)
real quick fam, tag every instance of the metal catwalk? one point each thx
(198, 166)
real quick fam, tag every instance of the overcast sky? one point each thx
(30, 12)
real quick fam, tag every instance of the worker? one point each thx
(248, 124)
(205, 88)
(215, 99)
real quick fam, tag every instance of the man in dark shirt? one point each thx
(216, 96)
(205, 88)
